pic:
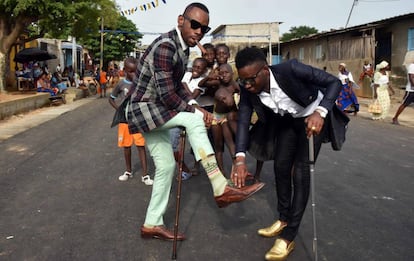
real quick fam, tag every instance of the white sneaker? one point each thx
(124, 177)
(147, 180)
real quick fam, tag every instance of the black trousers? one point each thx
(292, 171)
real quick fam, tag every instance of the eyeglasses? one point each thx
(250, 80)
(196, 24)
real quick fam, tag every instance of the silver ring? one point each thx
(313, 128)
(235, 174)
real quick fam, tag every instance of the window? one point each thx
(43, 46)
(301, 54)
(410, 44)
(318, 52)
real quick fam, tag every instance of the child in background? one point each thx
(224, 125)
(125, 139)
(190, 82)
(103, 80)
(193, 78)
(228, 96)
(211, 81)
(222, 57)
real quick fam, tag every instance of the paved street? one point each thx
(61, 199)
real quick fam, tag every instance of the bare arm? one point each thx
(196, 93)
(186, 87)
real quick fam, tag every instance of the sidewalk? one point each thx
(21, 122)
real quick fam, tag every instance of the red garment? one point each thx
(102, 78)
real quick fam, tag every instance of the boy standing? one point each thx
(125, 139)
(103, 81)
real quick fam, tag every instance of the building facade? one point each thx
(239, 36)
(390, 39)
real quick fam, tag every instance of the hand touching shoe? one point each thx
(232, 195)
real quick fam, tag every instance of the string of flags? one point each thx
(143, 7)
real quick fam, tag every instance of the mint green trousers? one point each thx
(160, 149)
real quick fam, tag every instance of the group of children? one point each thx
(212, 83)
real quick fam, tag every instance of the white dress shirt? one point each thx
(280, 103)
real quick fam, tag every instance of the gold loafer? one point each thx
(273, 230)
(280, 250)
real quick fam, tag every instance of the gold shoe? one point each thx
(280, 250)
(273, 230)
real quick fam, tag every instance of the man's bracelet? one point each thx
(239, 163)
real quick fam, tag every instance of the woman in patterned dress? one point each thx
(382, 90)
(347, 100)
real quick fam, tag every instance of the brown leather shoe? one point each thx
(232, 195)
(160, 232)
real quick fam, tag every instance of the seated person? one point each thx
(56, 82)
(43, 85)
(36, 71)
(25, 72)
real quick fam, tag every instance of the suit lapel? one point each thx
(181, 53)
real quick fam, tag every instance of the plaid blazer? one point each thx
(157, 94)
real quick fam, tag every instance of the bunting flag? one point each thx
(143, 7)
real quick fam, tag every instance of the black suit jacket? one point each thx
(301, 83)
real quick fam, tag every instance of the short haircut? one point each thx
(222, 45)
(227, 66)
(196, 5)
(201, 59)
(249, 55)
(208, 46)
(130, 59)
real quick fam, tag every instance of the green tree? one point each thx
(298, 32)
(38, 18)
(120, 39)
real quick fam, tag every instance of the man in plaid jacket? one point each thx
(159, 102)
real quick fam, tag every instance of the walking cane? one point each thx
(177, 206)
(312, 184)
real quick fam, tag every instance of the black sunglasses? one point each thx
(251, 80)
(195, 25)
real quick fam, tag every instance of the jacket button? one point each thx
(310, 98)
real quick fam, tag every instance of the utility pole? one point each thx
(74, 51)
(270, 43)
(352, 8)
(102, 28)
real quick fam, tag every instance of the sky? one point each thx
(323, 15)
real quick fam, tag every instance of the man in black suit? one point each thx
(293, 101)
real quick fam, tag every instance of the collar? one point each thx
(183, 44)
(273, 83)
